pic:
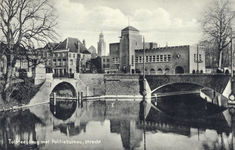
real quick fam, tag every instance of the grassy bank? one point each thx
(22, 93)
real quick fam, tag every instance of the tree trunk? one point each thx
(220, 59)
(8, 80)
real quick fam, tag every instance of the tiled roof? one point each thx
(73, 44)
(130, 28)
(86, 52)
(51, 45)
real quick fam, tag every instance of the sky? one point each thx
(172, 22)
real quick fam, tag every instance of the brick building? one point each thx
(127, 56)
(171, 60)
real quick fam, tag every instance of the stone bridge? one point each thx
(50, 83)
(217, 82)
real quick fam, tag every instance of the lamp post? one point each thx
(231, 53)
(197, 61)
(143, 58)
(144, 80)
(231, 95)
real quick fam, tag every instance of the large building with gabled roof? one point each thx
(67, 57)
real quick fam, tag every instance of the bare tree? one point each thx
(217, 21)
(25, 24)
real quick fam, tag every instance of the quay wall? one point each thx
(95, 83)
(122, 84)
(111, 84)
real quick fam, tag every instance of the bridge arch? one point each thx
(64, 89)
(168, 84)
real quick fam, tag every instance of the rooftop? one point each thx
(130, 28)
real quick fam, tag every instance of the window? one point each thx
(164, 58)
(140, 59)
(161, 58)
(69, 55)
(147, 59)
(132, 60)
(158, 58)
(59, 62)
(71, 62)
(115, 60)
(197, 58)
(154, 58)
(136, 59)
(200, 58)
(64, 62)
(150, 58)
(107, 60)
(103, 60)
(169, 57)
(73, 55)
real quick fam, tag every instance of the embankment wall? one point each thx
(111, 84)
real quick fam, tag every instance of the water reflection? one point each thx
(63, 109)
(118, 125)
(18, 130)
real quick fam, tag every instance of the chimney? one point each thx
(84, 43)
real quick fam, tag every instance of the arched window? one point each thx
(159, 71)
(179, 69)
(152, 71)
(167, 70)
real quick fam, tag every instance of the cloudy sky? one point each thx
(162, 21)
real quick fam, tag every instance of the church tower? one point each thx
(101, 45)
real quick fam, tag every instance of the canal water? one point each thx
(183, 122)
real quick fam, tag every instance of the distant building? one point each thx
(105, 64)
(127, 56)
(101, 45)
(122, 54)
(171, 60)
(92, 50)
(67, 57)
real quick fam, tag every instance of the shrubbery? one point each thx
(23, 92)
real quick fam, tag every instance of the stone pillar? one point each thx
(76, 76)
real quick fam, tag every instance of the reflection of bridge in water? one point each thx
(124, 120)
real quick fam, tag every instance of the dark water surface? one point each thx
(178, 123)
